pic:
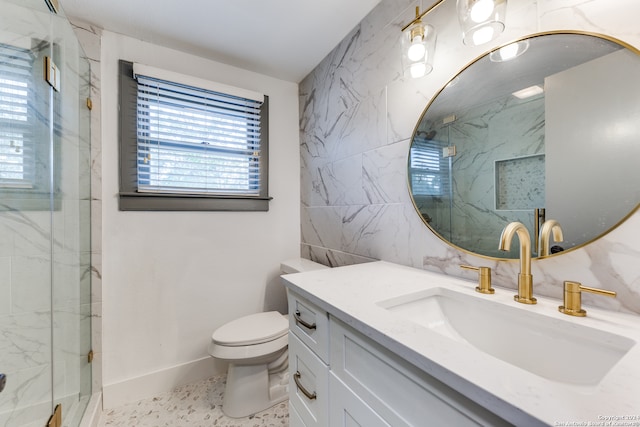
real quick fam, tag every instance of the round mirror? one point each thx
(548, 128)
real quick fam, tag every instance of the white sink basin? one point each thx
(548, 346)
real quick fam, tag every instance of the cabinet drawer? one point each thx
(401, 394)
(310, 324)
(308, 384)
(348, 410)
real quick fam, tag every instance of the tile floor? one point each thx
(194, 405)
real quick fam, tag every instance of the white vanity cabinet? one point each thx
(395, 392)
(358, 382)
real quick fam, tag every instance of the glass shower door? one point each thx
(44, 218)
(71, 259)
(25, 216)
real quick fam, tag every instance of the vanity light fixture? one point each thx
(509, 52)
(528, 92)
(481, 20)
(418, 43)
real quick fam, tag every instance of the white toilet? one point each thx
(256, 348)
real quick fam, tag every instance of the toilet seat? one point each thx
(251, 339)
(250, 330)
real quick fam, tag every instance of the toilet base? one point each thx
(252, 388)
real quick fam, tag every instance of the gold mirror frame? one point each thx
(623, 45)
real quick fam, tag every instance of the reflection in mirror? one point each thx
(555, 130)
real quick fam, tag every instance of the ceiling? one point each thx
(285, 39)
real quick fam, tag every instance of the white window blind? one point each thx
(429, 170)
(196, 141)
(17, 168)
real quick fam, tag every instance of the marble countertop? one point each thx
(352, 294)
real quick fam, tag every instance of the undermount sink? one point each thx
(551, 347)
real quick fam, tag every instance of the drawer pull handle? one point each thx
(296, 378)
(302, 322)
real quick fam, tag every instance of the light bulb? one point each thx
(482, 35)
(481, 10)
(418, 70)
(417, 50)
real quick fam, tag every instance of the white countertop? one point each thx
(351, 294)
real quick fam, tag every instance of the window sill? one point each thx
(191, 202)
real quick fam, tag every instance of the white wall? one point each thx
(602, 158)
(169, 278)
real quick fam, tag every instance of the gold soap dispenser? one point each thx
(484, 279)
(573, 298)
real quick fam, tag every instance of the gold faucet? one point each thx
(549, 227)
(525, 279)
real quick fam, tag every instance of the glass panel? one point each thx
(84, 230)
(45, 315)
(25, 228)
(71, 248)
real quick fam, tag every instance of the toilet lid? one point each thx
(253, 329)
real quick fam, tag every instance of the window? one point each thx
(429, 169)
(184, 146)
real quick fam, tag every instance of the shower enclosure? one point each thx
(467, 182)
(45, 257)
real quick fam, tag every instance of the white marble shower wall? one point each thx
(357, 116)
(45, 254)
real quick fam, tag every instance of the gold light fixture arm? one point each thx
(419, 15)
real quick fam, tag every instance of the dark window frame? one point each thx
(132, 200)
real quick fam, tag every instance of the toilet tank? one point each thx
(299, 265)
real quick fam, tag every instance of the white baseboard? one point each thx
(155, 383)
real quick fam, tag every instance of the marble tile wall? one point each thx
(357, 115)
